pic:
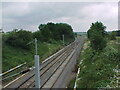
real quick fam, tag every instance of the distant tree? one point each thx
(113, 35)
(96, 35)
(15, 30)
(118, 33)
(75, 34)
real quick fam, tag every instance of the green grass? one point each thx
(97, 68)
(13, 56)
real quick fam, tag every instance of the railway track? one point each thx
(59, 79)
(50, 69)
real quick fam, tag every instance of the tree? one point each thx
(51, 31)
(96, 35)
(99, 26)
(38, 35)
(113, 35)
(118, 33)
(19, 38)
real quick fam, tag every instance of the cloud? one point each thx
(16, 9)
(103, 11)
(79, 15)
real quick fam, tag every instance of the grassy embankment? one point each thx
(97, 69)
(13, 56)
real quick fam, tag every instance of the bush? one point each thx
(19, 38)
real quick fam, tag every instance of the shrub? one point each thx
(19, 38)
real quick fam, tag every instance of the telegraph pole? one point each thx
(37, 67)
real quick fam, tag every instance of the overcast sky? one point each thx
(29, 16)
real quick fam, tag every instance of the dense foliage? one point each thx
(96, 35)
(50, 31)
(99, 59)
(17, 43)
(97, 69)
(19, 38)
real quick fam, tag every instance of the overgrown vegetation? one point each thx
(18, 47)
(18, 38)
(97, 68)
(98, 61)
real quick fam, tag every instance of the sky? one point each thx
(80, 15)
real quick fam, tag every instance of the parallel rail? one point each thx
(26, 78)
(58, 78)
(48, 68)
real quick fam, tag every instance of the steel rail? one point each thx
(60, 61)
(44, 65)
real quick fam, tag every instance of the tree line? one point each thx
(113, 34)
(49, 33)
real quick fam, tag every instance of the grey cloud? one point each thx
(79, 15)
